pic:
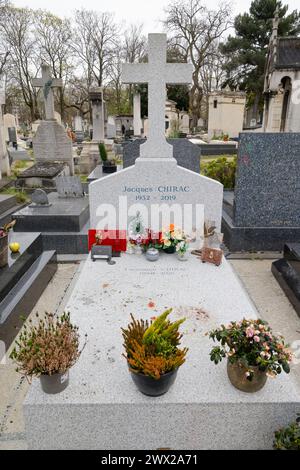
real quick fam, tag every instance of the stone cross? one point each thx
(157, 73)
(48, 83)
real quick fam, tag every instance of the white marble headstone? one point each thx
(156, 186)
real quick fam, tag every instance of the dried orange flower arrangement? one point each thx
(152, 349)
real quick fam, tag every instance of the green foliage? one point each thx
(253, 343)
(288, 438)
(20, 196)
(103, 152)
(153, 350)
(246, 52)
(50, 346)
(221, 170)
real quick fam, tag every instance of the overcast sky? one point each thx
(148, 12)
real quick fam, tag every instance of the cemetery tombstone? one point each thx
(186, 153)
(99, 410)
(90, 156)
(51, 143)
(39, 199)
(264, 213)
(69, 186)
(137, 121)
(10, 122)
(4, 159)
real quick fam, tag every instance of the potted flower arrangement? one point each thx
(4, 243)
(153, 354)
(170, 238)
(288, 438)
(254, 353)
(182, 248)
(48, 349)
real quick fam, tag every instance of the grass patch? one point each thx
(20, 196)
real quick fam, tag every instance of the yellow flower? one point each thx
(167, 243)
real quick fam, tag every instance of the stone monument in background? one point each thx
(137, 121)
(4, 160)
(90, 156)
(51, 143)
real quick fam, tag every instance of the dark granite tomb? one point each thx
(264, 213)
(63, 215)
(187, 154)
(42, 174)
(287, 273)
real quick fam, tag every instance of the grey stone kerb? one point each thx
(157, 73)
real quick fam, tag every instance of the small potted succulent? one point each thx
(48, 349)
(4, 243)
(253, 353)
(288, 438)
(109, 166)
(153, 354)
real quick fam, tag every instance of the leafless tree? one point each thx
(196, 29)
(134, 49)
(134, 43)
(4, 53)
(16, 32)
(96, 38)
(53, 36)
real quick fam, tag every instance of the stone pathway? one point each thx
(255, 275)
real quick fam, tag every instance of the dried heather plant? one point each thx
(49, 347)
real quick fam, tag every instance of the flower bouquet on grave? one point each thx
(153, 354)
(171, 237)
(48, 349)
(137, 233)
(253, 353)
(4, 243)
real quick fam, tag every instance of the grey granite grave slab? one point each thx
(185, 153)
(102, 409)
(265, 212)
(69, 186)
(64, 215)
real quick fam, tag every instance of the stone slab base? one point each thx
(102, 409)
(64, 215)
(256, 238)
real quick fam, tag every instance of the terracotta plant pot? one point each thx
(56, 383)
(237, 376)
(3, 251)
(151, 387)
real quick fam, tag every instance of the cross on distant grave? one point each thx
(47, 83)
(157, 73)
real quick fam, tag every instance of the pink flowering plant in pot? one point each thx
(253, 353)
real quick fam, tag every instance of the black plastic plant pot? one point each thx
(107, 167)
(56, 383)
(170, 250)
(151, 387)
